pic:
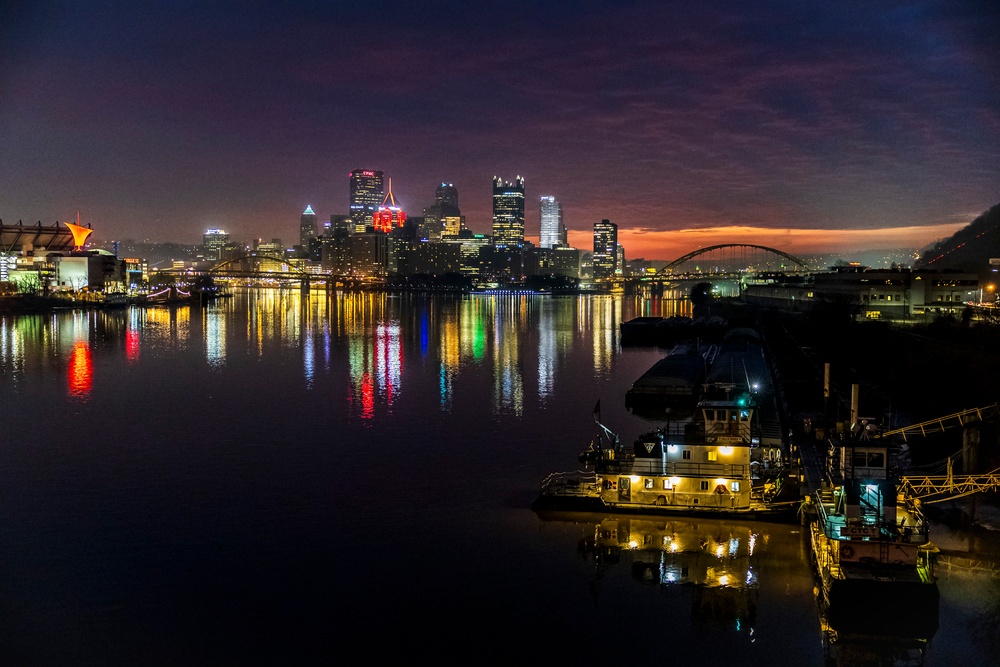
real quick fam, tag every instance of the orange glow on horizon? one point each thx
(669, 245)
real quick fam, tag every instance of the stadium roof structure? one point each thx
(55, 237)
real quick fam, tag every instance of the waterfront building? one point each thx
(508, 213)
(307, 226)
(368, 255)
(271, 254)
(433, 259)
(389, 215)
(619, 259)
(875, 294)
(367, 193)
(213, 241)
(136, 271)
(605, 249)
(550, 222)
(469, 245)
(558, 261)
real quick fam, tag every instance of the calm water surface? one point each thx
(281, 479)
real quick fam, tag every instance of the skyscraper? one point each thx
(443, 217)
(447, 194)
(605, 248)
(389, 215)
(550, 225)
(307, 226)
(367, 193)
(213, 241)
(508, 212)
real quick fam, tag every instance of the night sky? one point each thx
(806, 126)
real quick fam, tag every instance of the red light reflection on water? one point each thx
(81, 370)
(132, 345)
(367, 397)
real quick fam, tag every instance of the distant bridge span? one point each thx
(741, 247)
(254, 261)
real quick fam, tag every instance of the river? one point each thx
(293, 479)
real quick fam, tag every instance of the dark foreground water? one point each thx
(285, 480)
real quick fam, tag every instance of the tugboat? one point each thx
(711, 463)
(870, 541)
(727, 456)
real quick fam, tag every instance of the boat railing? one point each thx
(642, 466)
(907, 527)
(571, 483)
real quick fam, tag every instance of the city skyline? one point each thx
(804, 128)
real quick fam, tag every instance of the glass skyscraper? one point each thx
(508, 212)
(367, 193)
(550, 226)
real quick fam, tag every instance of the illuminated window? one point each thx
(713, 456)
(704, 485)
(647, 483)
(734, 487)
(686, 454)
(667, 485)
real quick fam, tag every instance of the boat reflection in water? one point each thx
(715, 562)
(900, 638)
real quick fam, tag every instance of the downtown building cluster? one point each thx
(377, 239)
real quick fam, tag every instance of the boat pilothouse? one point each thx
(868, 537)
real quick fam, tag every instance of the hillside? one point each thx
(969, 249)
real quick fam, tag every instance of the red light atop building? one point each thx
(389, 215)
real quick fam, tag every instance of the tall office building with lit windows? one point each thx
(508, 213)
(550, 226)
(307, 226)
(605, 248)
(213, 241)
(367, 192)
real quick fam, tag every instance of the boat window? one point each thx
(713, 456)
(709, 415)
(667, 485)
(744, 415)
(704, 485)
(734, 487)
(876, 460)
(647, 483)
(686, 454)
